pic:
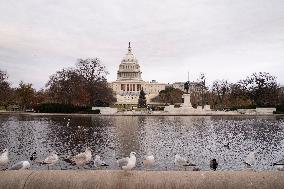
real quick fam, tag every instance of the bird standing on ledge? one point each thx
(213, 164)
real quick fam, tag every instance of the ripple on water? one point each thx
(200, 139)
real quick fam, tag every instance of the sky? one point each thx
(225, 39)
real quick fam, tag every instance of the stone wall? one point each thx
(140, 179)
(105, 110)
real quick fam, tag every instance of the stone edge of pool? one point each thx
(165, 114)
(140, 179)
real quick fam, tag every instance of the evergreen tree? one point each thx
(142, 103)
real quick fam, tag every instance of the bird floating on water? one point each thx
(82, 158)
(98, 162)
(213, 164)
(33, 156)
(127, 163)
(250, 159)
(227, 145)
(149, 160)
(4, 157)
(21, 165)
(279, 165)
(181, 161)
(51, 159)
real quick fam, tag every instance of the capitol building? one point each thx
(129, 82)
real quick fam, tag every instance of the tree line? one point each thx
(85, 84)
(257, 90)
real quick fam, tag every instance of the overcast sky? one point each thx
(225, 39)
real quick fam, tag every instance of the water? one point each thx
(200, 138)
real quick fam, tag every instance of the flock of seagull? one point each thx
(127, 163)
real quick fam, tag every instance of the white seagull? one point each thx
(279, 165)
(181, 161)
(82, 158)
(21, 165)
(98, 162)
(250, 159)
(51, 159)
(127, 163)
(149, 160)
(4, 158)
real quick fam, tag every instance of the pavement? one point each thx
(104, 179)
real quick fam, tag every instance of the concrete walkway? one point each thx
(140, 179)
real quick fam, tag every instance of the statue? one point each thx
(186, 86)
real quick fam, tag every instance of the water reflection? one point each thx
(198, 138)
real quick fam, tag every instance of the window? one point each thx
(138, 87)
(123, 87)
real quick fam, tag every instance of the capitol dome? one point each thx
(129, 57)
(129, 68)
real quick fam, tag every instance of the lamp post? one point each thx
(202, 77)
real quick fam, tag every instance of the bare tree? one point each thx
(221, 88)
(94, 74)
(262, 88)
(171, 95)
(85, 84)
(65, 86)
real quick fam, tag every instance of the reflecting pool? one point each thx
(199, 138)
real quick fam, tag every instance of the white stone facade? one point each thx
(193, 86)
(129, 82)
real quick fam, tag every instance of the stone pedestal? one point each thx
(186, 102)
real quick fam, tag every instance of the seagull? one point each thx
(250, 159)
(279, 165)
(4, 157)
(21, 165)
(51, 159)
(181, 161)
(227, 145)
(98, 162)
(82, 158)
(213, 164)
(127, 163)
(149, 160)
(196, 169)
(33, 156)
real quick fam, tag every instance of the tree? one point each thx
(6, 92)
(203, 87)
(262, 88)
(142, 102)
(41, 96)
(85, 84)
(65, 86)
(26, 94)
(93, 74)
(171, 95)
(238, 96)
(220, 89)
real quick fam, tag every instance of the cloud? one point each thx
(222, 38)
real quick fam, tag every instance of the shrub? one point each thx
(62, 108)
